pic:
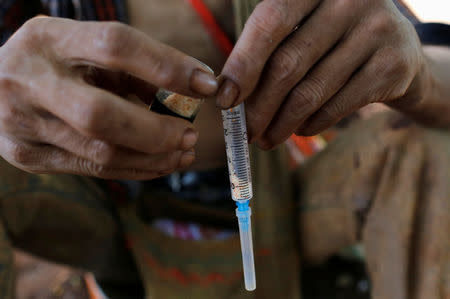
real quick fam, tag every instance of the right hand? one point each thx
(62, 112)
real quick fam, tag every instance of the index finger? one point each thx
(269, 24)
(99, 114)
(117, 46)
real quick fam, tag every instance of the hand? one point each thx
(61, 104)
(301, 66)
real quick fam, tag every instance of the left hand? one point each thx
(345, 54)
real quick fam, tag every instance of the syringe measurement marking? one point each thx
(242, 172)
(239, 153)
(240, 160)
(242, 187)
(237, 137)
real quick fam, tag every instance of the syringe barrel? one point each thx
(236, 141)
(245, 232)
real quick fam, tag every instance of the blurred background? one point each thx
(431, 10)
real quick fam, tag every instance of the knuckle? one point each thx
(332, 112)
(285, 64)
(91, 119)
(243, 61)
(394, 90)
(272, 17)
(93, 169)
(316, 84)
(169, 132)
(299, 109)
(111, 39)
(102, 153)
(10, 116)
(164, 73)
(33, 32)
(325, 118)
(31, 27)
(375, 95)
(308, 96)
(399, 91)
(21, 154)
(100, 171)
(398, 67)
(380, 24)
(7, 87)
(392, 64)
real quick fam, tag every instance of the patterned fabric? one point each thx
(13, 13)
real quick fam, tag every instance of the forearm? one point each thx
(428, 99)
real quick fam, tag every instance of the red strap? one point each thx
(219, 37)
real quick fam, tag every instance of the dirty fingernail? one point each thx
(204, 65)
(203, 83)
(187, 158)
(228, 94)
(189, 139)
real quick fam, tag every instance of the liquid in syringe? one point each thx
(235, 133)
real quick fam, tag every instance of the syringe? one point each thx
(236, 141)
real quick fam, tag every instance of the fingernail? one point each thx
(190, 139)
(186, 158)
(204, 65)
(228, 94)
(203, 82)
